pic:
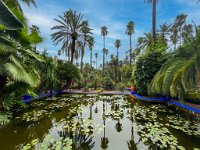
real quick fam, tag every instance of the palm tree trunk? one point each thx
(91, 57)
(130, 49)
(154, 20)
(117, 64)
(104, 55)
(117, 55)
(81, 61)
(73, 50)
(180, 36)
(96, 62)
(115, 74)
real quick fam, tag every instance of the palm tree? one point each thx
(174, 35)
(104, 33)
(117, 45)
(187, 31)
(91, 45)
(153, 17)
(96, 56)
(86, 31)
(129, 31)
(164, 32)
(146, 41)
(69, 31)
(179, 22)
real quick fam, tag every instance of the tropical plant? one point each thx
(48, 72)
(146, 67)
(129, 31)
(67, 73)
(15, 64)
(70, 31)
(104, 33)
(185, 79)
(87, 75)
(7, 19)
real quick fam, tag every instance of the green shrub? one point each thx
(120, 86)
(146, 67)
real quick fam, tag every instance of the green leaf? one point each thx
(8, 19)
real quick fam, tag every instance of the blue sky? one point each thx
(115, 14)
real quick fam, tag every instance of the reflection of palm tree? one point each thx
(131, 143)
(82, 142)
(91, 112)
(79, 140)
(96, 109)
(104, 140)
(118, 126)
(116, 110)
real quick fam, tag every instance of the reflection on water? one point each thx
(101, 122)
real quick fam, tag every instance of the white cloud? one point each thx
(39, 20)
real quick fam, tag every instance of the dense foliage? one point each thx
(179, 76)
(146, 67)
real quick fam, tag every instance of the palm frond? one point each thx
(8, 19)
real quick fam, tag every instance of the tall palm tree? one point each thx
(96, 56)
(118, 45)
(91, 45)
(86, 31)
(129, 31)
(174, 35)
(179, 22)
(104, 33)
(69, 31)
(153, 17)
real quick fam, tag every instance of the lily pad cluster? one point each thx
(183, 125)
(156, 135)
(34, 116)
(49, 143)
(81, 126)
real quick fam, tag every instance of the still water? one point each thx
(84, 122)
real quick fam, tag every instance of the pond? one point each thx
(84, 122)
